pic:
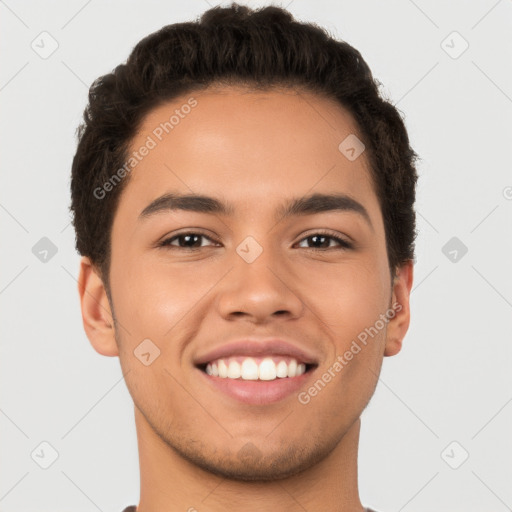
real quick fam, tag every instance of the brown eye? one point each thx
(322, 242)
(189, 240)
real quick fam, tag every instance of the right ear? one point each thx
(96, 314)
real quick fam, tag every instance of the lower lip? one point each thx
(258, 392)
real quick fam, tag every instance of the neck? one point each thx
(169, 483)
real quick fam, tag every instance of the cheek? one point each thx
(150, 299)
(347, 298)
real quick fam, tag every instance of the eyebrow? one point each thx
(309, 205)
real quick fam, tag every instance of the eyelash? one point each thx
(343, 244)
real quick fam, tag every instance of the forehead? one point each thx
(251, 146)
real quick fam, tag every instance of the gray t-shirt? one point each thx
(133, 508)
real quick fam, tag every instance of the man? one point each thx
(243, 204)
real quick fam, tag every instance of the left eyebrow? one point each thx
(309, 205)
(322, 203)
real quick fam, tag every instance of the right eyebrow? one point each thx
(187, 202)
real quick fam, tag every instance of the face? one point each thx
(191, 280)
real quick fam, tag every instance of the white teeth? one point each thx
(282, 369)
(267, 369)
(234, 370)
(292, 368)
(249, 369)
(223, 369)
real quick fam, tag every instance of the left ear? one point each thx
(96, 313)
(399, 324)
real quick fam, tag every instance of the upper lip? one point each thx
(250, 347)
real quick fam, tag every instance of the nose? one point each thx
(259, 291)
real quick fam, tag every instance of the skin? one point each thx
(255, 150)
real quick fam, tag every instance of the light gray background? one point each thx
(451, 382)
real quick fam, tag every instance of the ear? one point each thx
(398, 325)
(96, 314)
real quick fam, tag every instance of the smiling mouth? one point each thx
(266, 368)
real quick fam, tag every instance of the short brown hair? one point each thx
(261, 48)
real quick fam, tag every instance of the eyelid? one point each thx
(187, 231)
(327, 232)
(167, 243)
(345, 242)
